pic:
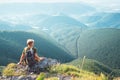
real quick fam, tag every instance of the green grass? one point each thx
(41, 76)
(95, 67)
(1, 68)
(63, 69)
(76, 72)
(91, 65)
(52, 78)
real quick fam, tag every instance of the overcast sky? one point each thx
(100, 4)
(88, 1)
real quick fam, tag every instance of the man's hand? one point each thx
(19, 63)
(42, 58)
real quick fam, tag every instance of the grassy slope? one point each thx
(12, 44)
(1, 69)
(91, 65)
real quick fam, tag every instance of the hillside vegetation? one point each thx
(99, 44)
(12, 44)
(102, 45)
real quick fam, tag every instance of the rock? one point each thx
(62, 77)
(27, 77)
(47, 62)
(42, 65)
(0, 74)
(0, 77)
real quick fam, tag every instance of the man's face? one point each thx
(31, 44)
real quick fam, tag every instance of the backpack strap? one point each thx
(25, 49)
(34, 50)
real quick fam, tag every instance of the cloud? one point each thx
(29, 1)
(104, 4)
(99, 4)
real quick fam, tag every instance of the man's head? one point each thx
(30, 42)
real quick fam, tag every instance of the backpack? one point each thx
(30, 58)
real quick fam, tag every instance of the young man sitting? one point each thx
(29, 55)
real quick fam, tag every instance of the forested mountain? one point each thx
(102, 45)
(99, 44)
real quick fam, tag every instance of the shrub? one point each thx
(1, 69)
(103, 77)
(41, 76)
(10, 70)
(62, 68)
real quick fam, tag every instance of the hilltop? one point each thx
(54, 72)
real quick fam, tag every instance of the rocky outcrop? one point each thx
(42, 65)
(27, 77)
(30, 72)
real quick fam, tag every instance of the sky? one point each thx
(87, 1)
(100, 4)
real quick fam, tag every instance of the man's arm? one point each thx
(21, 58)
(38, 58)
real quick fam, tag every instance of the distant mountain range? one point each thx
(102, 20)
(61, 20)
(4, 25)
